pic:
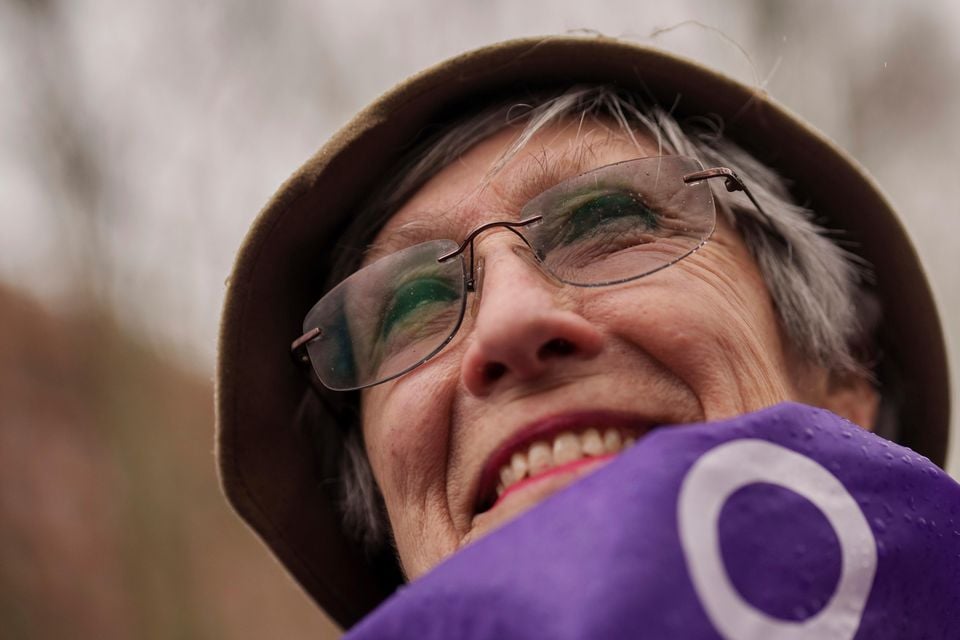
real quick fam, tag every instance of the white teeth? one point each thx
(566, 447)
(506, 475)
(592, 443)
(611, 440)
(540, 458)
(520, 466)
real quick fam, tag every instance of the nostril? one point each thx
(521, 345)
(556, 347)
(493, 371)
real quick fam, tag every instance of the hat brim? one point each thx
(269, 470)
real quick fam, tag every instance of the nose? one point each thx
(522, 331)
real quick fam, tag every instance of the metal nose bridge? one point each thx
(468, 242)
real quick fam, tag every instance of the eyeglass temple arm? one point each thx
(298, 350)
(733, 183)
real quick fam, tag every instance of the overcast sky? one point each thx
(138, 140)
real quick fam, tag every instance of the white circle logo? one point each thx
(710, 482)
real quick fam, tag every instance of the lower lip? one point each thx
(555, 471)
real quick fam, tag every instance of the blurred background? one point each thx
(138, 141)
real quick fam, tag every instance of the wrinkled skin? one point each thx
(697, 341)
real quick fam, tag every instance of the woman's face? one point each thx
(544, 382)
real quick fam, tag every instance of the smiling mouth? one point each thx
(551, 449)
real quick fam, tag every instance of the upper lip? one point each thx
(545, 429)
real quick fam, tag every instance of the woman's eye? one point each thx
(417, 301)
(605, 209)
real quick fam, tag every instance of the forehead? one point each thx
(475, 189)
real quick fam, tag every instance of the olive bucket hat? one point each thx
(282, 478)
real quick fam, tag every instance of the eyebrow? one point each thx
(539, 173)
(536, 173)
(404, 236)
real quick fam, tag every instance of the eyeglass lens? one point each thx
(607, 226)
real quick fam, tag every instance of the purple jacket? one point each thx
(788, 523)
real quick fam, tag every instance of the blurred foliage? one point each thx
(111, 521)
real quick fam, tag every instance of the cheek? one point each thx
(407, 432)
(714, 331)
(405, 436)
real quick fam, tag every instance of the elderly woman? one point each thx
(519, 263)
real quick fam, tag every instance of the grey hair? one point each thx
(813, 281)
